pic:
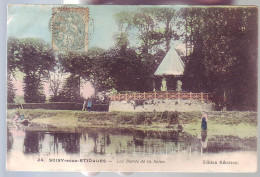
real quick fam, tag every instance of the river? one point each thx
(41, 147)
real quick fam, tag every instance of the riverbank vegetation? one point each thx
(242, 124)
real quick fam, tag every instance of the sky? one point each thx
(26, 21)
(33, 21)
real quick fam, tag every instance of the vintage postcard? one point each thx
(132, 88)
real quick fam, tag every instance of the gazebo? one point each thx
(171, 65)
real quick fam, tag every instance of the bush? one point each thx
(173, 118)
(139, 119)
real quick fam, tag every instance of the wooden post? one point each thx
(126, 96)
(155, 94)
(119, 97)
(144, 95)
(178, 148)
(190, 96)
(201, 97)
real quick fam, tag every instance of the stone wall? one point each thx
(160, 105)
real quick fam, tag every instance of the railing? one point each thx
(161, 95)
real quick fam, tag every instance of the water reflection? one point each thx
(70, 142)
(203, 141)
(10, 139)
(86, 141)
(32, 142)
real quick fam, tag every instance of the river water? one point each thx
(39, 147)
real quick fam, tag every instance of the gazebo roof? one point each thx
(171, 64)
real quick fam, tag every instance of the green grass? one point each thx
(242, 130)
(242, 124)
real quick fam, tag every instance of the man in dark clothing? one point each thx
(204, 121)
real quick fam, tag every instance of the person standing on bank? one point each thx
(89, 105)
(204, 121)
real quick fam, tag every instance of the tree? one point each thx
(78, 65)
(70, 91)
(100, 77)
(34, 58)
(12, 57)
(33, 90)
(55, 78)
(223, 54)
(152, 27)
(128, 71)
(10, 89)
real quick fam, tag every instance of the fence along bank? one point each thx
(161, 101)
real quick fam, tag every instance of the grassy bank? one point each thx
(242, 124)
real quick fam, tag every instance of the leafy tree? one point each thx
(12, 57)
(100, 77)
(152, 26)
(223, 54)
(127, 70)
(33, 90)
(70, 91)
(10, 89)
(55, 78)
(34, 58)
(78, 65)
(12, 54)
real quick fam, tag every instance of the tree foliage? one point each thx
(152, 27)
(10, 89)
(55, 79)
(223, 58)
(78, 65)
(12, 51)
(100, 77)
(126, 70)
(70, 92)
(34, 58)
